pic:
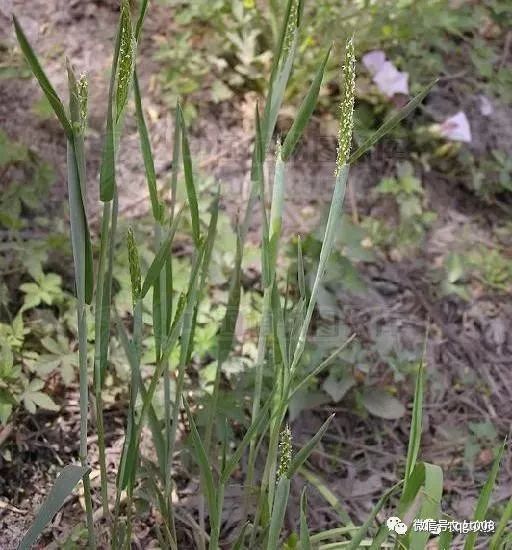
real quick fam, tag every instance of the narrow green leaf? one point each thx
(417, 415)
(227, 329)
(305, 111)
(108, 163)
(147, 154)
(482, 504)
(331, 499)
(63, 487)
(239, 542)
(44, 83)
(176, 152)
(431, 494)
(153, 419)
(189, 180)
(331, 232)
(304, 539)
(161, 257)
(301, 279)
(251, 433)
(77, 177)
(301, 457)
(360, 534)
(140, 21)
(317, 370)
(278, 512)
(389, 124)
(445, 541)
(502, 526)
(80, 237)
(204, 468)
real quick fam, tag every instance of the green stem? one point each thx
(84, 411)
(98, 363)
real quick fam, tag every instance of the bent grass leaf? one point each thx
(417, 413)
(331, 232)
(305, 111)
(482, 504)
(389, 124)
(147, 154)
(360, 534)
(189, 180)
(204, 468)
(44, 83)
(301, 457)
(161, 257)
(63, 487)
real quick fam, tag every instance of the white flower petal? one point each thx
(456, 128)
(485, 105)
(374, 60)
(391, 81)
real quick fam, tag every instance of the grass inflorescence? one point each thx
(264, 457)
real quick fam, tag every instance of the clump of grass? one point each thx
(265, 452)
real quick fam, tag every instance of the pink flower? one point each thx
(456, 128)
(374, 60)
(391, 81)
(387, 77)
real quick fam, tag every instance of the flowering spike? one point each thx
(285, 452)
(83, 92)
(346, 107)
(126, 60)
(291, 28)
(134, 265)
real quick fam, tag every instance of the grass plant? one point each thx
(265, 454)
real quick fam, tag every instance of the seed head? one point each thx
(291, 28)
(126, 61)
(134, 265)
(83, 92)
(285, 452)
(346, 107)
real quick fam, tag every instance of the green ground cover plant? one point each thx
(169, 314)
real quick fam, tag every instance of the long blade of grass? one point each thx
(305, 111)
(496, 539)
(278, 512)
(360, 534)
(161, 257)
(389, 124)
(322, 366)
(327, 494)
(484, 499)
(417, 415)
(431, 505)
(147, 154)
(107, 166)
(152, 417)
(62, 488)
(204, 468)
(281, 69)
(249, 436)
(189, 180)
(331, 232)
(140, 21)
(301, 457)
(44, 82)
(304, 538)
